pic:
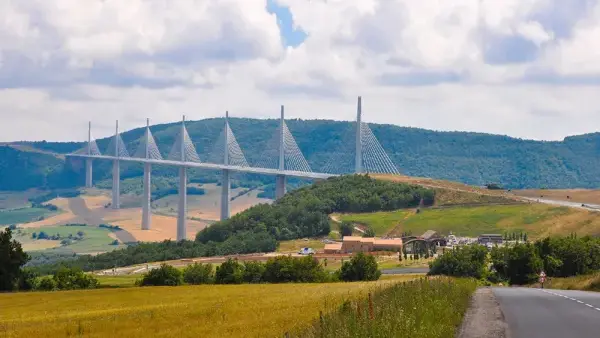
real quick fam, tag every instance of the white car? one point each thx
(306, 251)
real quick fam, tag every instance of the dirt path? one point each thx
(484, 318)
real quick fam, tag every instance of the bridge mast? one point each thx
(182, 208)
(116, 172)
(225, 180)
(280, 180)
(359, 159)
(88, 161)
(146, 210)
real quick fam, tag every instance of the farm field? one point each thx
(265, 310)
(95, 239)
(537, 220)
(23, 215)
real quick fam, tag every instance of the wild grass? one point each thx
(589, 282)
(186, 311)
(296, 244)
(95, 239)
(417, 309)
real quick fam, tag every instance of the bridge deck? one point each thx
(212, 166)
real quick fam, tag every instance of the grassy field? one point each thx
(23, 215)
(297, 244)
(95, 239)
(380, 222)
(187, 311)
(422, 309)
(119, 281)
(537, 220)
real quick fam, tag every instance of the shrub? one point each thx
(28, 280)
(346, 228)
(230, 272)
(253, 272)
(361, 267)
(286, 269)
(46, 283)
(73, 278)
(369, 233)
(164, 275)
(198, 274)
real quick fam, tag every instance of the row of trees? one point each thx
(522, 262)
(282, 269)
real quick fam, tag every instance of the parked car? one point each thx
(306, 251)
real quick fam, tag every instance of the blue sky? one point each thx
(290, 36)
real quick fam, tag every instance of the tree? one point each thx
(230, 272)
(361, 267)
(74, 278)
(12, 258)
(253, 272)
(165, 275)
(346, 228)
(198, 273)
(46, 283)
(523, 264)
(468, 261)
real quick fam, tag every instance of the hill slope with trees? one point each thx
(472, 158)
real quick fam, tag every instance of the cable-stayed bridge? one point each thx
(282, 158)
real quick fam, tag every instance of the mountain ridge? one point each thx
(468, 157)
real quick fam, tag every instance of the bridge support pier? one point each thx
(146, 210)
(280, 189)
(115, 185)
(182, 209)
(225, 195)
(88, 173)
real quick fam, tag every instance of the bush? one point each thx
(523, 265)
(361, 267)
(230, 272)
(369, 233)
(46, 283)
(28, 280)
(468, 261)
(253, 272)
(198, 274)
(286, 269)
(73, 278)
(164, 275)
(346, 228)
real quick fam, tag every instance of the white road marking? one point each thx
(573, 299)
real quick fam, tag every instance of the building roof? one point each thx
(490, 235)
(352, 239)
(367, 240)
(333, 246)
(389, 242)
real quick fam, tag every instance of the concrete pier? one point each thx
(146, 199)
(182, 208)
(359, 159)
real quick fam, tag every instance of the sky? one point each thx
(524, 68)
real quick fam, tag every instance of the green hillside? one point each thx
(471, 158)
(537, 220)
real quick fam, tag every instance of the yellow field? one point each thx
(266, 310)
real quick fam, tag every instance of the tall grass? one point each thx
(424, 308)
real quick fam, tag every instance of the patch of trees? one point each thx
(521, 263)
(346, 228)
(304, 212)
(41, 199)
(64, 279)
(110, 227)
(281, 269)
(158, 194)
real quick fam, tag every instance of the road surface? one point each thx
(546, 313)
(402, 271)
(585, 206)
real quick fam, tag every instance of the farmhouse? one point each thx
(352, 244)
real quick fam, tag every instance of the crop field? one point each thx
(23, 215)
(265, 310)
(537, 220)
(95, 239)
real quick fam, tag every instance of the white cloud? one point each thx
(480, 65)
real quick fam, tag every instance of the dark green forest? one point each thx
(300, 213)
(472, 158)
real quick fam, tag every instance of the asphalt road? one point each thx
(533, 313)
(401, 271)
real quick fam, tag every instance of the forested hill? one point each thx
(471, 158)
